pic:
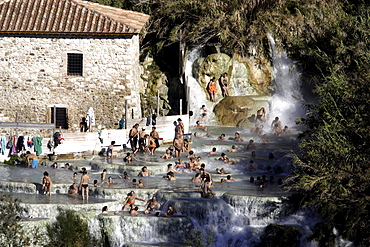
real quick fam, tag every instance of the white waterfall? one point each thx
(285, 102)
(197, 95)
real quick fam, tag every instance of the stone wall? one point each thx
(33, 77)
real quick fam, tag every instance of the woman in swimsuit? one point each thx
(152, 145)
(261, 114)
(211, 88)
(144, 172)
(180, 127)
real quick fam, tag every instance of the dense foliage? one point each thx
(331, 41)
(70, 230)
(11, 230)
(226, 22)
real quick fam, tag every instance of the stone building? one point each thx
(68, 55)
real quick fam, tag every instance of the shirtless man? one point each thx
(84, 185)
(222, 137)
(199, 126)
(276, 121)
(130, 200)
(154, 134)
(232, 149)
(213, 152)
(110, 149)
(286, 130)
(278, 131)
(142, 137)
(198, 163)
(152, 204)
(178, 143)
(224, 80)
(229, 179)
(133, 137)
(191, 164)
(191, 155)
(32, 160)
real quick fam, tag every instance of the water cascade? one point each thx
(285, 101)
(237, 216)
(197, 95)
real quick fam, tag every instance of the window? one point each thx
(74, 64)
(61, 117)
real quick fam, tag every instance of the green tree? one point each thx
(12, 232)
(69, 230)
(197, 238)
(332, 169)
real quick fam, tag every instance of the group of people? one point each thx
(212, 86)
(151, 205)
(140, 141)
(276, 125)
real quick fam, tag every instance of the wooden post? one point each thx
(126, 110)
(55, 118)
(16, 120)
(158, 103)
(180, 106)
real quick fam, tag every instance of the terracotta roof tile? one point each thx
(67, 16)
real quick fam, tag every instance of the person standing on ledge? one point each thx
(47, 184)
(83, 125)
(133, 137)
(84, 185)
(155, 135)
(224, 80)
(211, 88)
(178, 144)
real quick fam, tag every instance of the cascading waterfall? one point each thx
(197, 95)
(287, 92)
(284, 103)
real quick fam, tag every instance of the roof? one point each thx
(67, 17)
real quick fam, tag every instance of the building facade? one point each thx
(58, 58)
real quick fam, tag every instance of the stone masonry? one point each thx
(33, 75)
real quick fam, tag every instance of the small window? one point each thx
(61, 117)
(74, 64)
